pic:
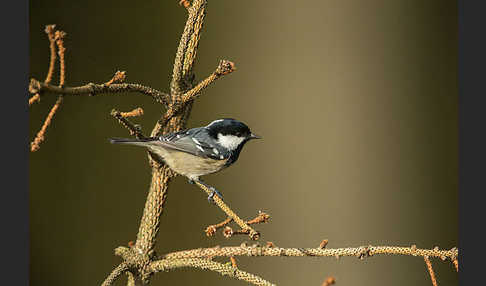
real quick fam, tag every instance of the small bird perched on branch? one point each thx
(198, 151)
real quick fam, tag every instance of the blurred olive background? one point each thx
(357, 104)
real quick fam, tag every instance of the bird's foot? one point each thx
(214, 192)
(191, 181)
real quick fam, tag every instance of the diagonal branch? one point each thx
(206, 264)
(329, 281)
(135, 130)
(39, 138)
(431, 270)
(225, 67)
(253, 234)
(115, 274)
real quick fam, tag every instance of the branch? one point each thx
(161, 174)
(119, 77)
(185, 3)
(92, 89)
(115, 273)
(52, 47)
(431, 270)
(182, 74)
(225, 67)
(329, 281)
(206, 264)
(39, 138)
(253, 234)
(121, 117)
(211, 229)
(456, 264)
(58, 39)
(359, 252)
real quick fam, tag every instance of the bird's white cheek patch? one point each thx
(230, 142)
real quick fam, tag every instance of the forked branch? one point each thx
(134, 130)
(253, 234)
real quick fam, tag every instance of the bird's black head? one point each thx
(230, 133)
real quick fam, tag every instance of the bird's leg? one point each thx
(210, 197)
(213, 191)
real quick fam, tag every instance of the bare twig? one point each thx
(211, 229)
(233, 262)
(135, 130)
(59, 37)
(270, 244)
(130, 278)
(329, 281)
(225, 67)
(52, 47)
(206, 264)
(115, 274)
(228, 232)
(54, 38)
(185, 3)
(431, 270)
(92, 89)
(254, 235)
(34, 98)
(119, 77)
(134, 113)
(39, 138)
(323, 243)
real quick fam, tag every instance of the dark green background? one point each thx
(357, 104)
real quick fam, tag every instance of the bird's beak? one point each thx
(254, 136)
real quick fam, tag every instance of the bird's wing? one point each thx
(193, 141)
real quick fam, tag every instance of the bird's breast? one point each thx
(190, 165)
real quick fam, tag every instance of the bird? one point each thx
(198, 151)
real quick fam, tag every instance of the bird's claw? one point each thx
(214, 192)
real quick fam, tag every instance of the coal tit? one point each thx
(198, 151)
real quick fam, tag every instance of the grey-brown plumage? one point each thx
(199, 151)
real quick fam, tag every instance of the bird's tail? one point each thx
(129, 141)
